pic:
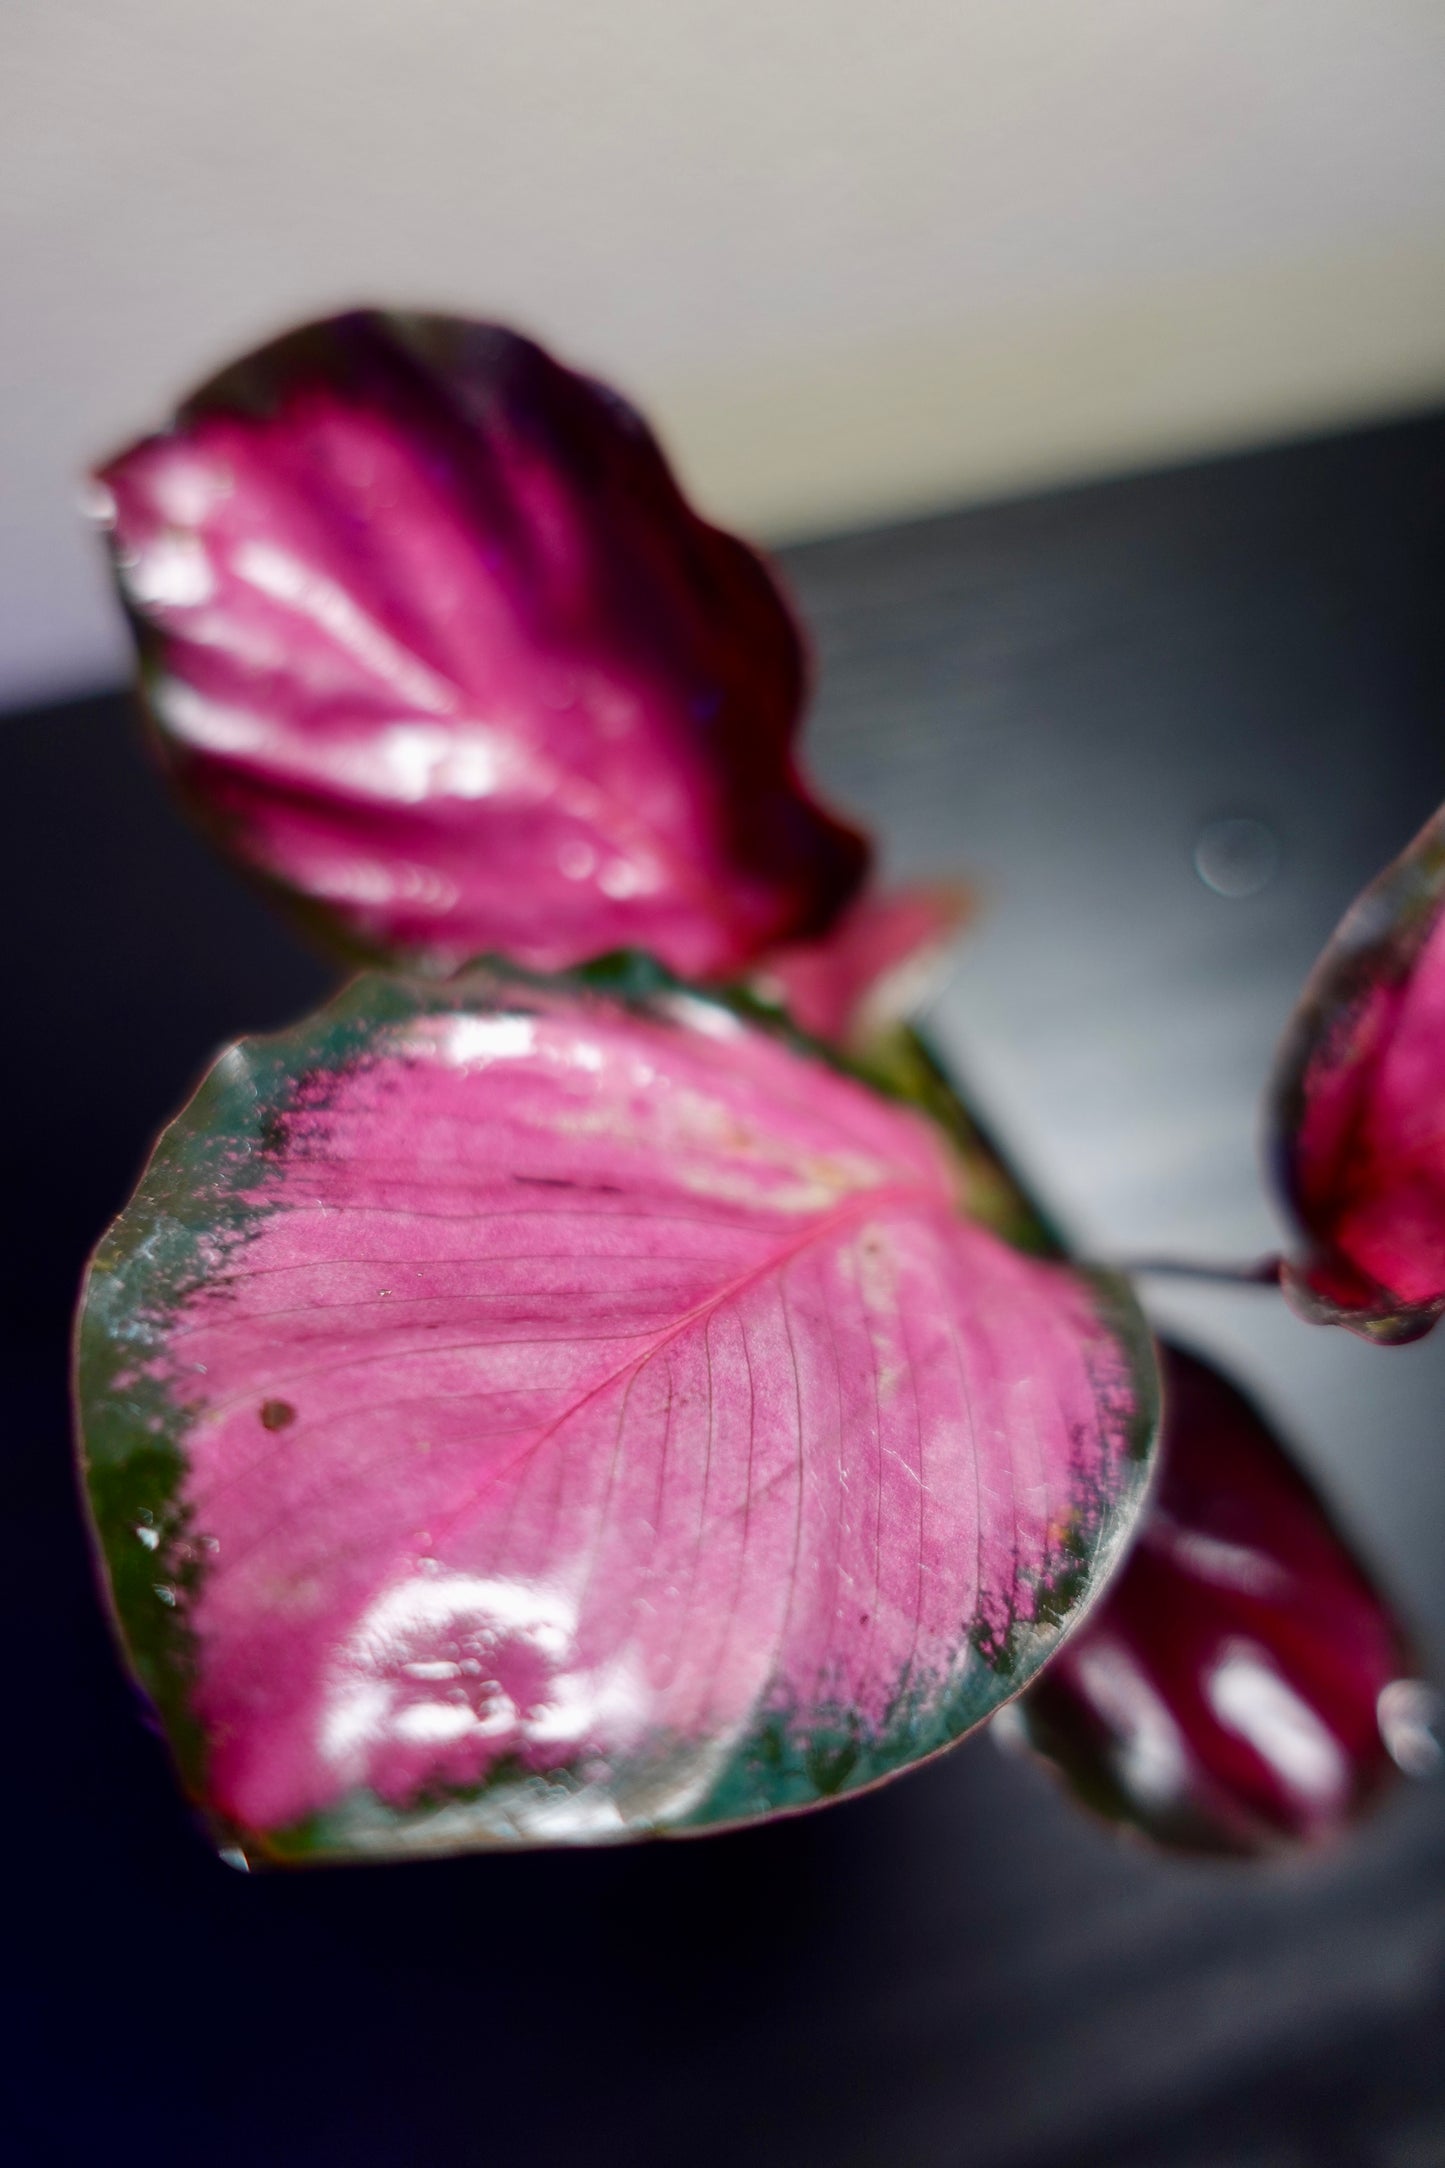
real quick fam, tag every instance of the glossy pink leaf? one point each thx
(433, 643)
(1359, 1109)
(513, 1414)
(875, 966)
(1242, 1685)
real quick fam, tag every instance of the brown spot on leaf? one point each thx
(276, 1414)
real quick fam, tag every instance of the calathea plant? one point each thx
(593, 1379)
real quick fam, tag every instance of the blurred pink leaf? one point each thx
(1358, 1109)
(434, 645)
(513, 1413)
(875, 966)
(1242, 1685)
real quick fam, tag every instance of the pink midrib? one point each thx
(858, 1207)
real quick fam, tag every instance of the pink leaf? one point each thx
(434, 645)
(873, 967)
(1242, 1685)
(516, 1414)
(1359, 1111)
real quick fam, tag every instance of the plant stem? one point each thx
(1262, 1272)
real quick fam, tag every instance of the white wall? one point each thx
(855, 258)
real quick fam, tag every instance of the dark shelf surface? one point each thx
(1056, 697)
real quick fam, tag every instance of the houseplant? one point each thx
(744, 1435)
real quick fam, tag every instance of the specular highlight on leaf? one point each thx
(1243, 1686)
(434, 645)
(517, 1415)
